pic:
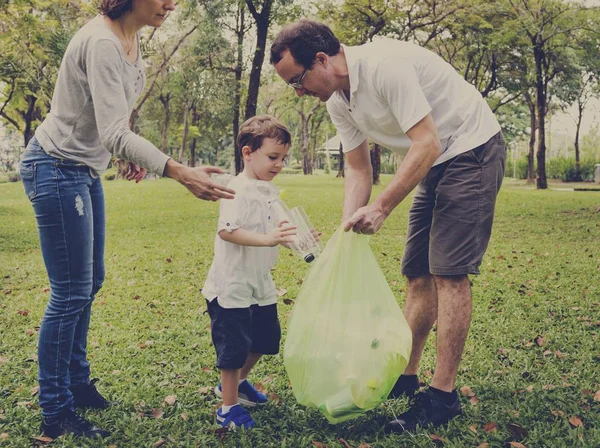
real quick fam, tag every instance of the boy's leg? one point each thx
(230, 379)
(250, 363)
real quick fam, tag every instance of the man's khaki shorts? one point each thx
(450, 220)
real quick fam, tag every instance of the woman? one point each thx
(99, 80)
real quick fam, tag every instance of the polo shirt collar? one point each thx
(353, 62)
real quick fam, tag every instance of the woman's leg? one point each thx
(79, 368)
(60, 194)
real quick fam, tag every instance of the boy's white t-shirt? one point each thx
(240, 276)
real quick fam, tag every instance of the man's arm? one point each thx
(423, 152)
(358, 179)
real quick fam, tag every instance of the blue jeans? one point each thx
(69, 208)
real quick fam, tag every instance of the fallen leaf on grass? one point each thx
(29, 332)
(539, 340)
(159, 443)
(157, 413)
(490, 427)
(467, 392)
(43, 439)
(184, 417)
(274, 398)
(260, 387)
(288, 301)
(281, 292)
(206, 369)
(4, 436)
(3, 360)
(170, 399)
(559, 354)
(517, 431)
(597, 396)
(23, 313)
(575, 422)
(169, 260)
(35, 390)
(558, 413)
(473, 429)
(364, 445)
(344, 443)
(437, 439)
(45, 289)
(483, 445)
(204, 390)
(474, 400)
(517, 445)
(136, 297)
(547, 352)
(319, 444)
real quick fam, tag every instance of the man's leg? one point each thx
(421, 311)
(453, 320)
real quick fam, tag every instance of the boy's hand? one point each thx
(282, 234)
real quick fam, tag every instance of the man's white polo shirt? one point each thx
(394, 85)
(240, 276)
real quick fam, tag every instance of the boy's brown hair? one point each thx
(254, 130)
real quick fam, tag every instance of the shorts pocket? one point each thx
(28, 176)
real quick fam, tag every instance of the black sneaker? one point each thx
(428, 408)
(405, 386)
(87, 396)
(69, 422)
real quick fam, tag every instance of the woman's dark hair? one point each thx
(115, 8)
(304, 39)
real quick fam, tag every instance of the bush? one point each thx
(296, 166)
(387, 168)
(521, 171)
(290, 171)
(565, 169)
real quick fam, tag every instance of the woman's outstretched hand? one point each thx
(197, 180)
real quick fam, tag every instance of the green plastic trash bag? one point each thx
(347, 339)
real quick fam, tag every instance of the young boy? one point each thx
(239, 289)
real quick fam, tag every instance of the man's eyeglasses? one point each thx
(298, 84)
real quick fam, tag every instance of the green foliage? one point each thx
(521, 169)
(565, 169)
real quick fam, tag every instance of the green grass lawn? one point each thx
(532, 359)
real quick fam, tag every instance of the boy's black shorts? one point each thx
(238, 331)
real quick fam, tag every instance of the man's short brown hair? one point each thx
(256, 129)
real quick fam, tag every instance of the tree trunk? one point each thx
(533, 126)
(29, 117)
(376, 162)
(538, 53)
(307, 167)
(340, 172)
(195, 122)
(165, 100)
(580, 108)
(263, 20)
(186, 113)
(237, 97)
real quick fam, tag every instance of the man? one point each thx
(386, 91)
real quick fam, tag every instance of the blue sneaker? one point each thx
(247, 394)
(237, 417)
